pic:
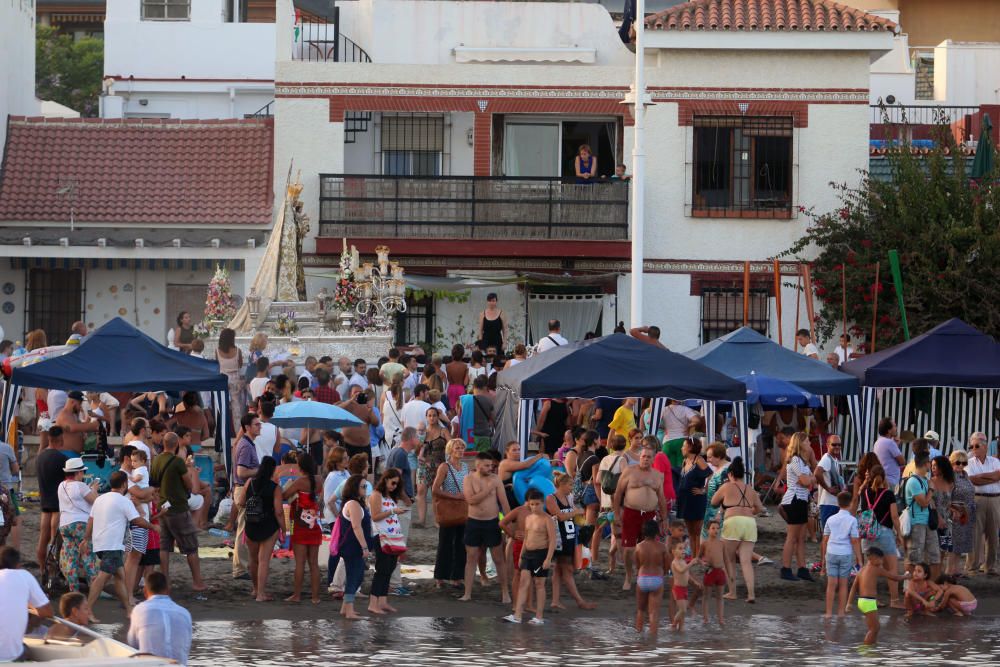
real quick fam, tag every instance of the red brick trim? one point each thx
(761, 214)
(688, 109)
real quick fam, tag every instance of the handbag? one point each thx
(392, 545)
(450, 512)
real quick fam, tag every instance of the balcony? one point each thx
(471, 207)
(917, 122)
(321, 41)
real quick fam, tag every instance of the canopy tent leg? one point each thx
(747, 448)
(11, 392)
(708, 412)
(223, 428)
(656, 413)
(525, 422)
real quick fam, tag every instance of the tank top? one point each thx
(555, 426)
(585, 166)
(349, 545)
(390, 525)
(230, 367)
(187, 336)
(493, 331)
(454, 479)
(567, 527)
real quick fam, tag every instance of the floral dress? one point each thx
(714, 483)
(433, 458)
(964, 493)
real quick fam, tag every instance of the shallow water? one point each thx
(470, 642)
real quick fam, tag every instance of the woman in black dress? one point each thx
(492, 328)
(264, 519)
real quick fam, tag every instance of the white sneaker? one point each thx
(764, 560)
(536, 621)
(511, 618)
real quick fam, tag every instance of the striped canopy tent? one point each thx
(616, 366)
(119, 357)
(947, 379)
(746, 351)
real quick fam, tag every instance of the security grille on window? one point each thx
(722, 311)
(166, 10)
(742, 164)
(54, 301)
(412, 145)
(415, 326)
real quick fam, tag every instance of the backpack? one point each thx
(868, 524)
(253, 510)
(609, 480)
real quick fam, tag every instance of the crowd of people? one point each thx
(678, 513)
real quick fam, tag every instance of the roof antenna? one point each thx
(69, 190)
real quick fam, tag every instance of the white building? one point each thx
(17, 61)
(455, 147)
(103, 218)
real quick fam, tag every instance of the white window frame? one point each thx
(553, 119)
(165, 5)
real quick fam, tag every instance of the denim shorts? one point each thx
(590, 496)
(838, 566)
(886, 541)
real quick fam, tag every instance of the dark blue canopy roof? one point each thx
(744, 351)
(617, 366)
(952, 354)
(119, 357)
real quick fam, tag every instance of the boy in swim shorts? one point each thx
(652, 561)
(711, 554)
(865, 586)
(682, 573)
(512, 524)
(536, 556)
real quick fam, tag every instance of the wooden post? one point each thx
(746, 293)
(874, 306)
(777, 298)
(810, 312)
(798, 304)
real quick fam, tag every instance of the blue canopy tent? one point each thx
(615, 366)
(959, 363)
(743, 351)
(119, 357)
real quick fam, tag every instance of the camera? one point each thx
(361, 398)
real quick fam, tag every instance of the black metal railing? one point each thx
(916, 114)
(467, 207)
(263, 112)
(318, 40)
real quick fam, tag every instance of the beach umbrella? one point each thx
(983, 163)
(313, 414)
(772, 392)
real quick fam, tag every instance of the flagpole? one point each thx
(638, 165)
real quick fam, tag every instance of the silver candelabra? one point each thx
(382, 289)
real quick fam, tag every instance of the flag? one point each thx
(628, 18)
(298, 25)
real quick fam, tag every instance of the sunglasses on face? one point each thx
(961, 463)
(977, 446)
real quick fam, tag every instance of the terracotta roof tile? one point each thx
(137, 171)
(767, 15)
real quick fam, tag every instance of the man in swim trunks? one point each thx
(637, 499)
(486, 496)
(652, 560)
(865, 587)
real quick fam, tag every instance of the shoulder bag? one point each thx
(450, 512)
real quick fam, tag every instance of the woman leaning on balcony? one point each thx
(586, 166)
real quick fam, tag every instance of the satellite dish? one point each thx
(890, 99)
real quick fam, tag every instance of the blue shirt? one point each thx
(161, 627)
(376, 433)
(915, 486)
(399, 458)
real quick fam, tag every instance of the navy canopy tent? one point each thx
(744, 351)
(953, 355)
(615, 366)
(119, 357)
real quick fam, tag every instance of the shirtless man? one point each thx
(357, 439)
(637, 499)
(486, 497)
(75, 423)
(536, 557)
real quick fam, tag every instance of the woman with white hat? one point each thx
(76, 561)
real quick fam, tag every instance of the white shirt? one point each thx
(333, 480)
(139, 444)
(142, 474)
(19, 590)
(112, 513)
(264, 443)
(410, 383)
(415, 413)
(828, 464)
(793, 470)
(359, 380)
(810, 350)
(608, 463)
(841, 527)
(553, 339)
(844, 355)
(161, 627)
(73, 505)
(991, 464)
(56, 400)
(676, 419)
(256, 387)
(340, 382)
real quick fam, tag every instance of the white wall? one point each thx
(966, 74)
(202, 101)
(459, 322)
(203, 48)
(434, 28)
(17, 61)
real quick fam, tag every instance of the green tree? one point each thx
(68, 71)
(946, 228)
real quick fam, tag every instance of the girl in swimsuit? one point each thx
(512, 463)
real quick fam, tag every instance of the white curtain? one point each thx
(578, 314)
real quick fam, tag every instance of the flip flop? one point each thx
(200, 597)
